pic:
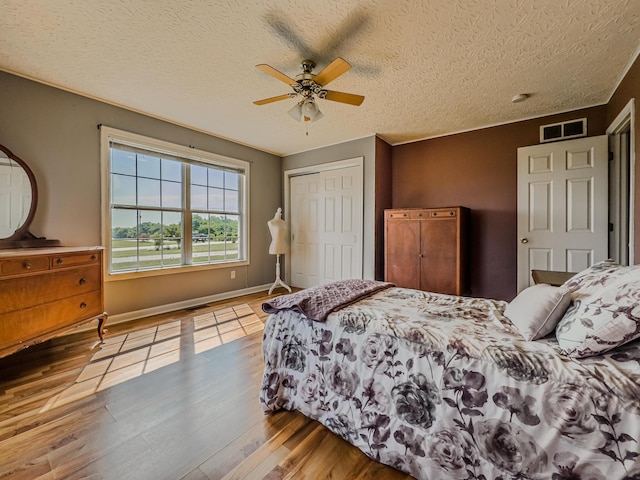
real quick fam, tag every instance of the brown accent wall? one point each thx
(630, 88)
(478, 170)
(383, 200)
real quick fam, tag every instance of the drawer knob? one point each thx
(83, 305)
(82, 281)
(93, 257)
(59, 261)
(27, 265)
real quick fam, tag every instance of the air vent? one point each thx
(563, 130)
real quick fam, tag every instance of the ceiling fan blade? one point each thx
(264, 101)
(269, 70)
(332, 71)
(342, 97)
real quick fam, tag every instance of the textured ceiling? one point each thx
(426, 68)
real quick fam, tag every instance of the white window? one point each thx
(167, 206)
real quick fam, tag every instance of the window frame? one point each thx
(108, 134)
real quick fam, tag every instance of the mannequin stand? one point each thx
(278, 282)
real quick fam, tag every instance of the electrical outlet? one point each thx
(233, 274)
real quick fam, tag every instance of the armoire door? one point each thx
(439, 255)
(402, 258)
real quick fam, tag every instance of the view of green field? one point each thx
(139, 254)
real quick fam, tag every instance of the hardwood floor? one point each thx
(173, 396)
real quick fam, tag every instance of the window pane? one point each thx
(172, 224)
(200, 224)
(148, 192)
(150, 227)
(231, 237)
(231, 180)
(231, 201)
(123, 190)
(124, 243)
(149, 223)
(198, 198)
(171, 194)
(217, 247)
(123, 162)
(148, 166)
(198, 175)
(216, 199)
(216, 178)
(124, 223)
(171, 170)
(200, 237)
(216, 228)
(171, 238)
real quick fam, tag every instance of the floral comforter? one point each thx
(442, 387)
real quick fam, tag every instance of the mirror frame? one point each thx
(22, 237)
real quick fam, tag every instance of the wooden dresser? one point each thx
(45, 291)
(426, 249)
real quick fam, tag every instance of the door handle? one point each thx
(524, 240)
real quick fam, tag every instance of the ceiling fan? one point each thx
(309, 85)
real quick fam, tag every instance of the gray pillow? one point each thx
(536, 310)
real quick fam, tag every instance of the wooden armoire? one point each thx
(426, 249)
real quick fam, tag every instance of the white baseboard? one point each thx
(170, 307)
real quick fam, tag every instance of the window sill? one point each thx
(115, 277)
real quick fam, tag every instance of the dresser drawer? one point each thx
(72, 259)
(444, 213)
(25, 292)
(19, 326)
(21, 265)
(398, 214)
(420, 214)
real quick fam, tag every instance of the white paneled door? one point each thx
(326, 226)
(305, 230)
(562, 206)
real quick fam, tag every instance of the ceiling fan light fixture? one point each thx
(316, 117)
(309, 85)
(306, 111)
(296, 112)
(309, 108)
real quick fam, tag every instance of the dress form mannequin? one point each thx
(278, 246)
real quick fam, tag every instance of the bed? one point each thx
(449, 387)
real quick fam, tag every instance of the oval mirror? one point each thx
(18, 200)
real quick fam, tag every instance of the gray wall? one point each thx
(364, 147)
(56, 134)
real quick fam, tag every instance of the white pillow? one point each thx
(537, 309)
